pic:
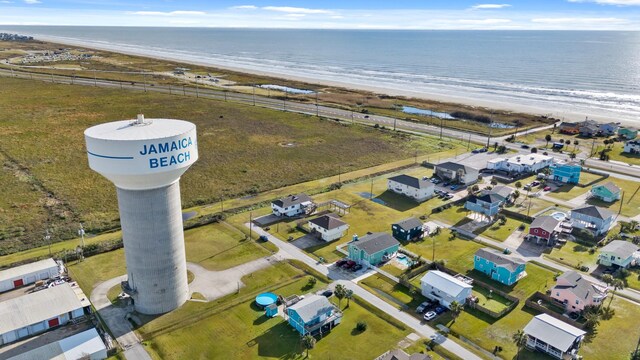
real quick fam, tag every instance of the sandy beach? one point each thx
(569, 114)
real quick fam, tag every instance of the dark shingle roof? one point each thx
(509, 262)
(412, 181)
(376, 242)
(409, 223)
(575, 283)
(292, 200)
(490, 197)
(593, 211)
(546, 223)
(328, 222)
(449, 165)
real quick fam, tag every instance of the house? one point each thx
(608, 129)
(292, 205)
(568, 173)
(417, 189)
(498, 266)
(632, 147)
(627, 134)
(589, 130)
(22, 275)
(372, 249)
(519, 164)
(569, 128)
(457, 173)
(552, 336)
(607, 192)
(313, 315)
(503, 191)
(544, 228)
(40, 311)
(407, 229)
(618, 253)
(84, 345)
(487, 202)
(594, 218)
(444, 288)
(328, 227)
(399, 354)
(575, 292)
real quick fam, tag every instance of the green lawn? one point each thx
(383, 287)
(616, 153)
(491, 301)
(499, 232)
(458, 253)
(96, 269)
(575, 254)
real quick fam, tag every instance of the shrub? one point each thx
(361, 326)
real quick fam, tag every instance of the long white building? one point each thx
(530, 163)
(85, 345)
(28, 274)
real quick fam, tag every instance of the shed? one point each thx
(26, 274)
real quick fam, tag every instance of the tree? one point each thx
(617, 284)
(340, 292)
(607, 279)
(515, 195)
(591, 319)
(495, 146)
(308, 342)
(572, 155)
(534, 150)
(518, 184)
(575, 144)
(633, 224)
(348, 295)
(455, 308)
(568, 142)
(520, 340)
(547, 138)
(312, 282)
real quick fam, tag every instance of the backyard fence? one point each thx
(532, 302)
(517, 215)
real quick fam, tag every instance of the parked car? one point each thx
(535, 183)
(327, 293)
(448, 197)
(356, 268)
(341, 262)
(349, 264)
(454, 187)
(437, 181)
(422, 307)
(525, 146)
(430, 316)
(264, 238)
(547, 188)
(440, 309)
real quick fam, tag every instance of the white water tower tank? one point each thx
(145, 158)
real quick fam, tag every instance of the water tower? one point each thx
(145, 158)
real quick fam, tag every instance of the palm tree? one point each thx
(607, 279)
(455, 308)
(520, 339)
(592, 319)
(633, 224)
(575, 144)
(617, 285)
(348, 295)
(308, 342)
(340, 292)
(547, 138)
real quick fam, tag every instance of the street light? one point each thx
(81, 233)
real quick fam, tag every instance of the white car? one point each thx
(430, 315)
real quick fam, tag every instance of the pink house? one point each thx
(575, 292)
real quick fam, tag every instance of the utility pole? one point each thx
(184, 92)
(469, 142)
(592, 146)
(254, 94)
(81, 233)
(197, 94)
(490, 130)
(394, 124)
(433, 252)
(317, 108)
(371, 190)
(339, 173)
(441, 125)
(47, 238)
(169, 89)
(250, 224)
(222, 203)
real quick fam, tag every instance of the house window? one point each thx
(535, 231)
(577, 302)
(557, 294)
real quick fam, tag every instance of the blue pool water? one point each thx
(404, 261)
(266, 299)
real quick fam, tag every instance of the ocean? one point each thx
(558, 73)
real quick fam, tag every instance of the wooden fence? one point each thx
(532, 302)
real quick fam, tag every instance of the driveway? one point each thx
(307, 241)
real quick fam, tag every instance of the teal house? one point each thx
(568, 173)
(313, 315)
(627, 134)
(372, 249)
(498, 266)
(608, 192)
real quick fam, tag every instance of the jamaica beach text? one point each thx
(168, 147)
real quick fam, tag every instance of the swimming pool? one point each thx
(404, 260)
(559, 215)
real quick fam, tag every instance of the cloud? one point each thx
(6, 2)
(610, 2)
(484, 21)
(244, 7)
(489, 6)
(582, 21)
(31, 2)
(296, 10)
(171, 13)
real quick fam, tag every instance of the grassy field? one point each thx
(97, 269)
(241, 152)
(575, 254)
(457, 253)
(616, 153)
(499, 232)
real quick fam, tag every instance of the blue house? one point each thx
(594, 218)
(407, 229)
(372, 249)
(313, 315)
(568, 173)
(498, 266)
(488, 202)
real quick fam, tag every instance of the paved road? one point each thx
(408, 320)
(116, 321)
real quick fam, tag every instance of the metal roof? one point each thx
(328, 222)
(376, 242)
(529, 159)
(149, 130)
(554, 332)
(409, 223)
(620, 248)
(292, 200)
(35, 307)
(73, 347)
(445, 282)
(509, 262)
(546, 223)
(594, 212)
(412, 181)
(311, 307)
(34, 267)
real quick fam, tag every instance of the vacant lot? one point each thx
(241, 152)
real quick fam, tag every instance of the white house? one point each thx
(417, 189)
(84, 345)
(529, 163)
(632, 147)
(28, 274)
(444, 288)
(328, 227)
(552, 336)
(292, 205)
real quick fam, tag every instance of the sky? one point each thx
(331, 14)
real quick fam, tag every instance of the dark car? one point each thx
(264, 238)
(341, 262)
(525, 146)
(356, 268)
(327, 293)
(440, 309)
(349, 264)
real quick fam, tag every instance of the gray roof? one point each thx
(610, 186)
(412, 181)
(445, 282)
(292, 200)
(376, 242)
(398, 354)
(594, 212)
(449, 165)
(502, 190)
(546, 223)
(409, 223)
(76, 346)
(328, 222)
(32, 308)
(26, 269)
(311, 307)
(554, 332)
(620, 248)
(575, 283)
(488, 197)
(502, 260)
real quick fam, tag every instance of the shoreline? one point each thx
(504, 105)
